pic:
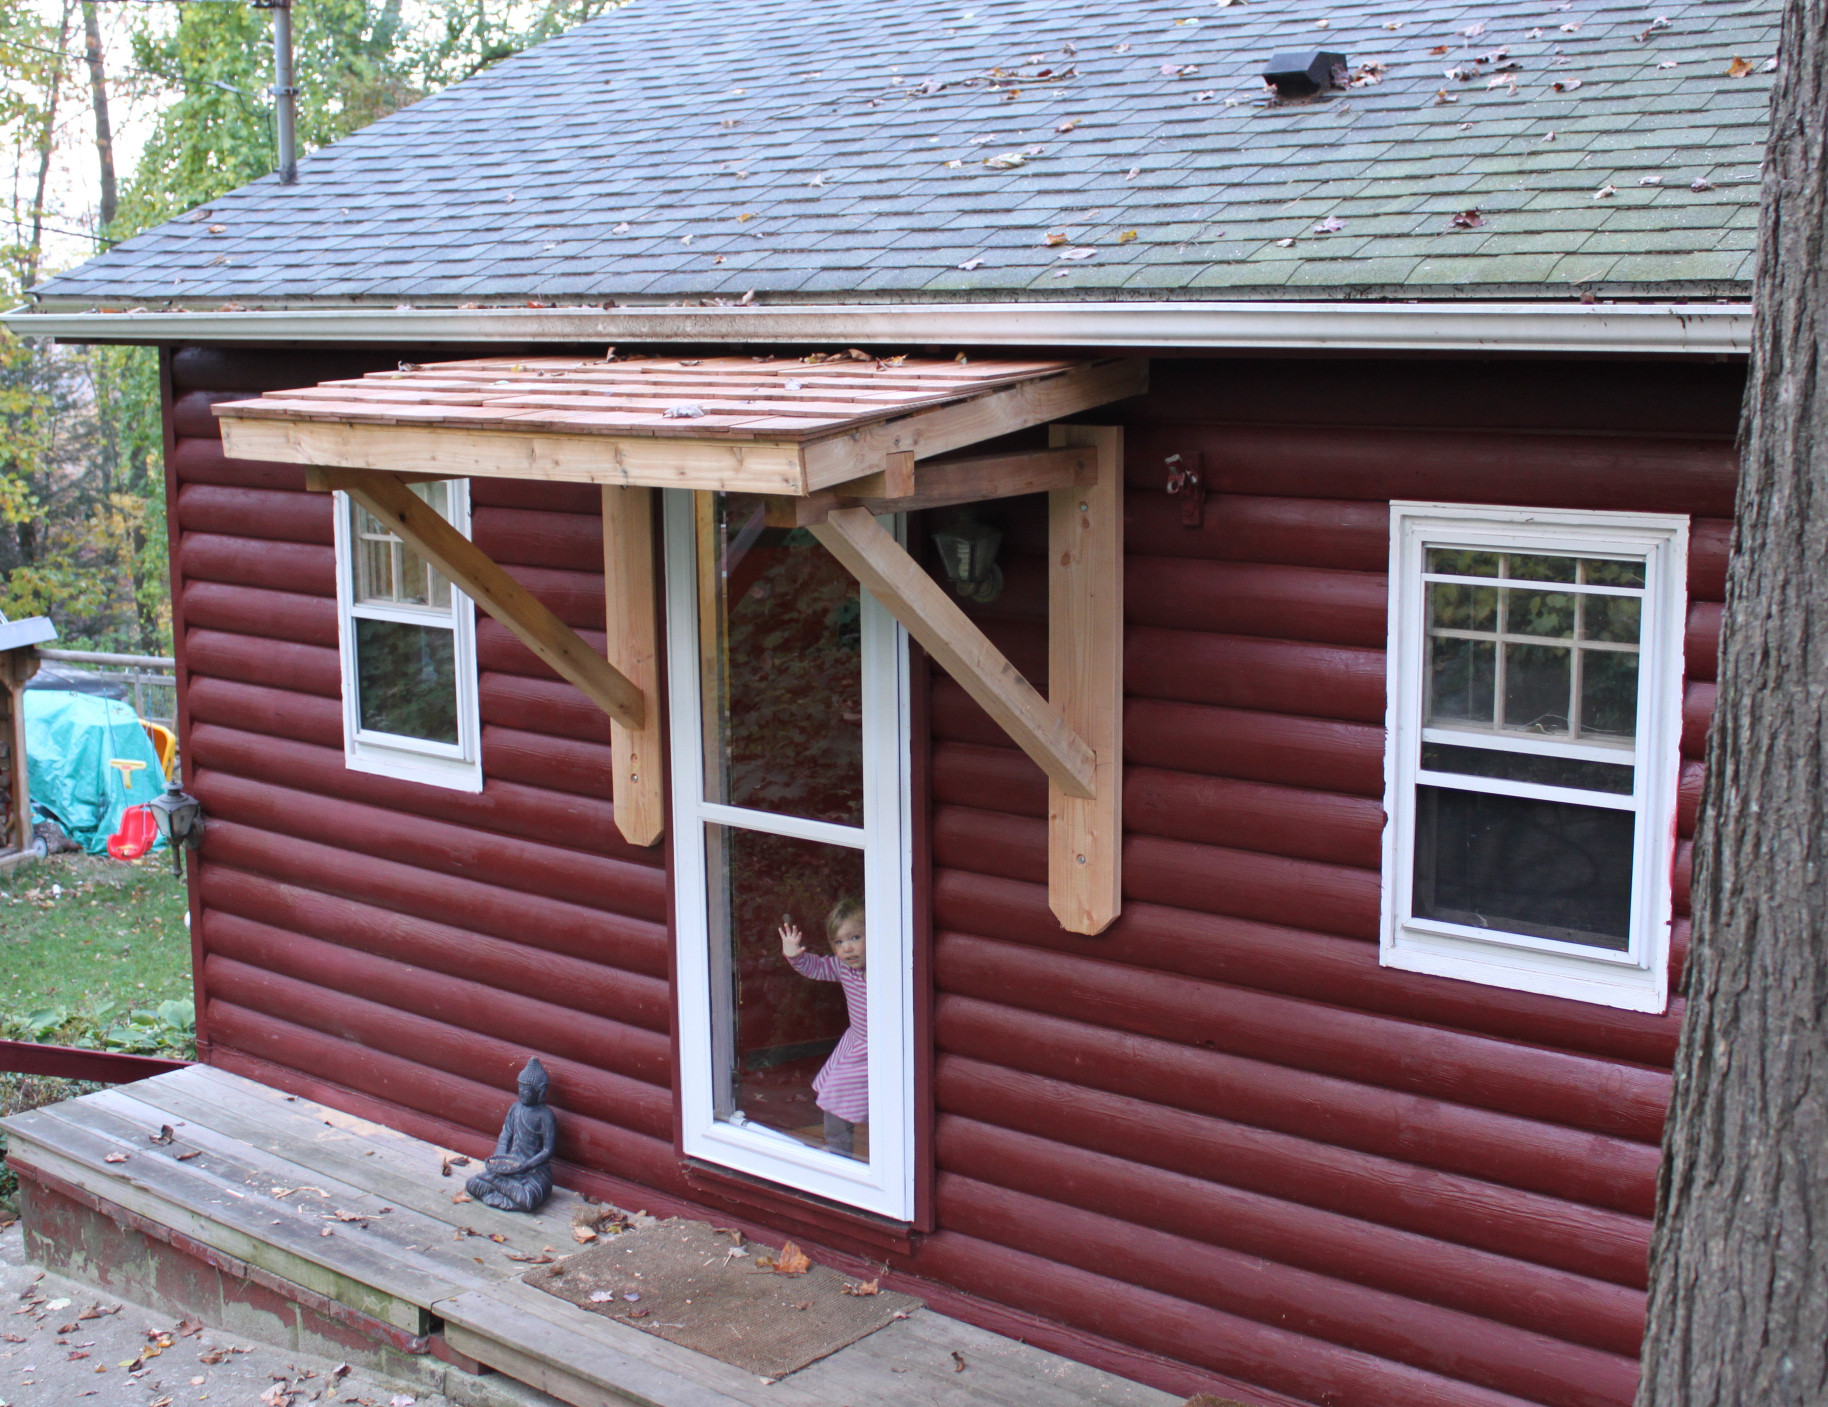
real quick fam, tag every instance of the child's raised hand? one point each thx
(790, 939)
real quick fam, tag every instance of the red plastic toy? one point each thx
(137, 833)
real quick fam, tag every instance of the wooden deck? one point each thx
(359, 1215)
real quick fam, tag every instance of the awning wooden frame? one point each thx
(1074, 732)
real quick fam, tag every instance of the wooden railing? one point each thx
(152, 678)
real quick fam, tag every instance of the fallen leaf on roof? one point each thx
(745, 217)
(1443, 96)
(218, 229)
(1739, 67)
(1322, 24)
(1548, 136)
(1605, 192)
(1700, 183)
(817, 180)
(1467, 220)
(1331, 225)
(1172, 70)
(1473, 31)
(1770, 65)
(1066, 125)
(1438, 50)
(971, 264)
(1459, 75)
(1127, 237)
(1502, 80)
(1667, 63)
(955, 164)
(622, 228)
(1650, 180)
(1284, 243)
(1006, 161)
(1367, 74)
(1132, 173)
(1121, 48)
(1393, 25)
(1083, 251)
(1565, 85)
(1205, 95)
(1572, 27)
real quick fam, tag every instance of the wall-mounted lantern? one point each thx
(179, 817)
(968, 551)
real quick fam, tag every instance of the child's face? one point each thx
(847, 942)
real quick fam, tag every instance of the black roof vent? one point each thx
(1302, 75)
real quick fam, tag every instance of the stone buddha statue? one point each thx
(518, 1177)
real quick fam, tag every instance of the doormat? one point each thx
(703, 1289)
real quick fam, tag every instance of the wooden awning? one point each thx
(832, 442)
(775, 425)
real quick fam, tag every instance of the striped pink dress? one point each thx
(843, 1085)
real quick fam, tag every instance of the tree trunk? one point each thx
(98, 95)
(47, 143)
(1739, 1262)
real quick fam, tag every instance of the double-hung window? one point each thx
(789, 698)
(408, 639)
(1535, 714)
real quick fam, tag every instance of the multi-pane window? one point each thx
(408, 644)
(1535, 689)
(789, 697)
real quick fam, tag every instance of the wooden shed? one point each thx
(1258, 737)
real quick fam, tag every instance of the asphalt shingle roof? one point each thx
(824, 150)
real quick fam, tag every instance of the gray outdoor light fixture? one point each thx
(179, 817)
(968, 551)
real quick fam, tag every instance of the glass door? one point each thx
(791, 859)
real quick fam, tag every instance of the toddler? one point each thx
(843, 1084)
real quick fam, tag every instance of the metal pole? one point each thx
(284, 94)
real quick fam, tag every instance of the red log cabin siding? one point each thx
(1217, 1146)
(389, 946)
(1220, 1131)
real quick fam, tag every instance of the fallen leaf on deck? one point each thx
(114, 1158)
(76, 1354)
(198, 1382)
(189, 1328)
(496, 1236)
(277, 1396)
(864, 1287)
(164, 1135)
(341, 1370)
(790, 1260)
(164, 1401)
(1739, 67)
(1467, 220)
(452, 1160)
(213, 1357)
(958, 1359)
(533, 1258)
(187, 1156)
(462, 1197)
(582, 1234)
(602, 1296)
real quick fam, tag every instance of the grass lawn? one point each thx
(91, 938)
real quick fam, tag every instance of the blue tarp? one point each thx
(70, 740)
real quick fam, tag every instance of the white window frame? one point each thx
(455, 766)
(885, 1185)
(1636, 979)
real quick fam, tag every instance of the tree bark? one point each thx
(47, 143)
(1739, 1261)
(98, 97)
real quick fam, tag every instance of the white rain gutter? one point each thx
(1603, 328)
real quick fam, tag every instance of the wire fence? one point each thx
(150, 680)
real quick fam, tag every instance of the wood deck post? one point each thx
(631, 610)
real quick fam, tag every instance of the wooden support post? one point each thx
(1085, 681)
(16, 667)
(631, 610)
(888, 573)
(403, 513)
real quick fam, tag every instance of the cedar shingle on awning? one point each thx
(779, 425)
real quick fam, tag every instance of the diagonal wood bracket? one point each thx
(888, 573)
(628, 703)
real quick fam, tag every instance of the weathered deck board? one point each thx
(409, 1268)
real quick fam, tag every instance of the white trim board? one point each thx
(1671, 328)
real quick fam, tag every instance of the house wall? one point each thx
(1216, 1146)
